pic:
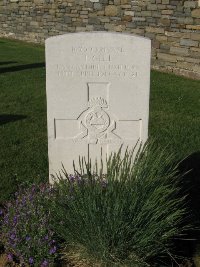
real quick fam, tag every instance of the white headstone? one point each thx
(97, 95)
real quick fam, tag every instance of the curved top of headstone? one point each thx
(97, 34)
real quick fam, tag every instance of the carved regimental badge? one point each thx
(96, 124)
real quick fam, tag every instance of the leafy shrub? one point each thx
(129, 216)
(25, 232)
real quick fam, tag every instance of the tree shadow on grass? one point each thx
(190, 167)
(6, 118)
(22, 67)
(7, 62)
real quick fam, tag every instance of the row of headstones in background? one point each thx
(97, 95)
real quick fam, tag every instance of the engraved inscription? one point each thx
(96, 124)
(86, 49)
(98, 58)
(97, 70)
(97, 62)
(97, 120)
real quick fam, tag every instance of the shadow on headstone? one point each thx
(22, 67)
(6, 118)
(190, 167)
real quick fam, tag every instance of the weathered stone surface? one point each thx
(94, 20)
(182, 20)
(185, 72)
(155, 44)
(109, 26)
(161, 38)
(129, 13)
(97, 95)
(67, 19)
(125, 6)
(193, 60)
(138, 31)
(104, 19)
(34, 23)
(196, 13)
(139, 19)
(146, 13)
(127, 18)
(195, 49)
(124, 2)
(195, 36)
(179, 50)
(184, 65)
(80, 29)
(111, 10)
(188, 42)
(193, 27)
(155, 30)
(98, 6)
(178, 34)
(164, 22)
(119, 28)
(190, 4)
(167, 57)
(152, 7)
(167, 12)
(164, 47)
(196, 68)
(117, 2)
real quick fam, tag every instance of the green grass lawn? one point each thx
(174, 115)
(23, 128)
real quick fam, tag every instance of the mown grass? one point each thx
(23, 129)
(174, 115)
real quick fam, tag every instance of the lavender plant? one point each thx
(26, 232)
(128, 217)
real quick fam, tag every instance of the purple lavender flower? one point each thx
(43, 187)
(31, 260)
(104, 182)
(25, 215)
(10, 257)
(12, 236)
(79, 179)
(72, 178)
(24, 200)
(33, 188)
(52, 250)
(28, 238)
(44, 263)
(15, 219)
